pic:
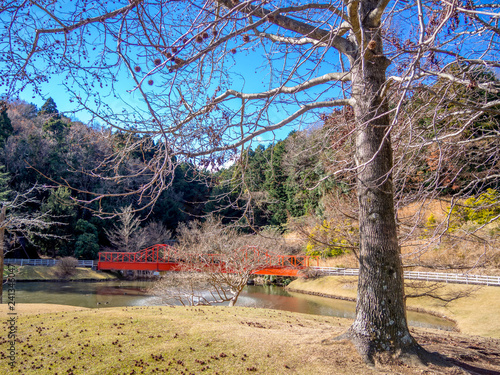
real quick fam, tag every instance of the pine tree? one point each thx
(6, 128)
(49, 108)
(4, 184)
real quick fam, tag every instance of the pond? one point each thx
(133, 293)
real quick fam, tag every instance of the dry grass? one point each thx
(180, 340)
(39, 308)
(427, 248)
(421, 211)
(208, 340)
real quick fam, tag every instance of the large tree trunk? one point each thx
(3, 213)
(380, 325)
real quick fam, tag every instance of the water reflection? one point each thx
(133, 293)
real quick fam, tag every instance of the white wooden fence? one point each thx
(48, 262)
(459, 278)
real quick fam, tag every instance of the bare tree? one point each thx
(185, 61)
(217, 263)
(154, 233)
(123, 237)
(16, 221)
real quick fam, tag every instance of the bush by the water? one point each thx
(66, 267)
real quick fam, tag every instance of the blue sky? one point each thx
(246, 64)
(254, 82)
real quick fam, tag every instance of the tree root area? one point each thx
(466, 354)
(437, 352)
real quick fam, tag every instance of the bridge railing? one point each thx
(163, 253)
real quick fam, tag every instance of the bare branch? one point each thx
(375, 15)
(68, 28)
(341, 44)
(305, 108)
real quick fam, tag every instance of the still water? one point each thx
(134, 293)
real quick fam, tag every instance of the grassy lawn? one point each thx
(477, 314)
(43, 273)
(55, 339)
(204, 340)
(179, 340)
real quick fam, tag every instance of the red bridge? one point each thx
(167, 258)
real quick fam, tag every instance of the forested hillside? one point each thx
(41, 147)
(288, 185)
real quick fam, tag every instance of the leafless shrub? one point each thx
(311, 273)
(218, 261)
(16, 223)
(183, 288)
(66, 267)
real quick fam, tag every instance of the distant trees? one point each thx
(275, 183)
(45, 147)
(87, 242)
(61, 208)
(5, 124)
(49, 108)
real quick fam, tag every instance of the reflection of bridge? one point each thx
(168, 258)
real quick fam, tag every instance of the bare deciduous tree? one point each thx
(217, 263)
(186, 67)
(123, 237)
(16, 221)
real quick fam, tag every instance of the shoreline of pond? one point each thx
(116, 293)
(351, 299)
(293, 290)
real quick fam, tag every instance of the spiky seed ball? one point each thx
(174, 49)
(233, 51)
(157, 62)
(137, 69)
(150, 82)
(214, 32)
(199, 39)
(246, 38)
(205, 35)
(168, 54)
(184, 40)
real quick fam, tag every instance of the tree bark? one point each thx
(380, 324)
(3, 213)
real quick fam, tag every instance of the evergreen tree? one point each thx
(275, 184)
(4, 184)
(86, 246)
(5, 124)
(49, 108)
(56, 128)
(61, 208)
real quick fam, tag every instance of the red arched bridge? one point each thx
(168, 258)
